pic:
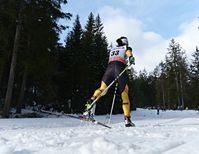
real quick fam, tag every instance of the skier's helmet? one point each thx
(122, 41)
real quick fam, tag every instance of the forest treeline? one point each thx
(36, 70)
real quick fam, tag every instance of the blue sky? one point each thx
(149, 24)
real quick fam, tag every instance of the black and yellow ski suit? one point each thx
(116, 64)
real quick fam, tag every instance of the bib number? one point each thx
(115, 53)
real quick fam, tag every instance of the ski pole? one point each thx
(113, 102)
(103, 92)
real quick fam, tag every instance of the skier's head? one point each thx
(122, 41)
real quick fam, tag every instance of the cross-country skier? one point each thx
(119, 57)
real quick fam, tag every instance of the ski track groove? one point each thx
(176, 145)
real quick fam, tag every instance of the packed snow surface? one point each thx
(170, 132)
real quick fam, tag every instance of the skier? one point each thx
(158, 110)
(119, 57)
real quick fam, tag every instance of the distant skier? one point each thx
(158, 110)
(119, 57)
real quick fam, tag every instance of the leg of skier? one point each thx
(107, 78)
(123, 89)
(126, 107)
(90, 110)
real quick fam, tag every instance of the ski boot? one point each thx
(90, 110)
(128, 122)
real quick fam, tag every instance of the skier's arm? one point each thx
(130, 56)
(129, 52)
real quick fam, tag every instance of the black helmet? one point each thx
(122, 41)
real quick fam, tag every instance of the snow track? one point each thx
(167, 133)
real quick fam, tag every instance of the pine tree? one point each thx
(99, 64)
(74, 57)
(8, 15)
(9, 91)
(88, 52)
(160, 85)
(101, 49)
(141, 89)
(194, 68)
(177, 73)
(35, 46)
(43, 46)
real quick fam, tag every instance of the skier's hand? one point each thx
(132, 60)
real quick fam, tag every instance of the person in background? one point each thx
(158, 110)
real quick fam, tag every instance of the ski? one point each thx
(88, 120)
(79, 117)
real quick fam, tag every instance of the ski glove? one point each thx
(132, 60)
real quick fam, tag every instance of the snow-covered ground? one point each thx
(171, 132)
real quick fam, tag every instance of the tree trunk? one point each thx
(22, 92)
(12, 70)
(178, 91)
(163, 93)
(23, 85)
(181, 90)
(169, 100)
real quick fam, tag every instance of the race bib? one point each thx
(118, 54)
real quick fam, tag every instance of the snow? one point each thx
(169, 132)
